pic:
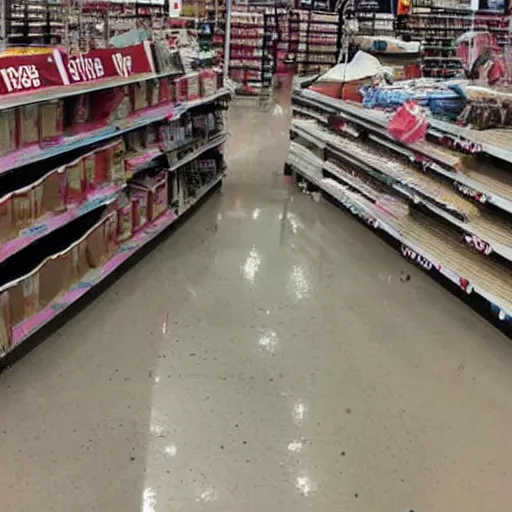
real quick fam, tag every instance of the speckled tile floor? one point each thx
(265, 357)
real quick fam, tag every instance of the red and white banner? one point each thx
(25, 73)
(110, 62)
(31, 72)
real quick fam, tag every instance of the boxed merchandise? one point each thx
(28, 125)
(138, 96)
(82, 110)
(102, 165)
(110, 105)
(164, 91)
(111, 228)
(75, 182)
(24, 296)
(154, 193)
(208, 80)
(51, 122)
(139, 197)
(124, 219)
(5, 321)
(55, 191)
(7, 230)
(22, 207)
(181, 89)
(7, 131)
(193, 86)
(153, 92)
(159, 196)
(117, 152)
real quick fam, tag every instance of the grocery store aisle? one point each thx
(265, 357)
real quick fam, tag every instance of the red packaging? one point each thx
(409, 123)
(110, 104)
(76, 182)
(164, 95)
(208, 80)
(139, 197)
(182, 89)
(102, 166)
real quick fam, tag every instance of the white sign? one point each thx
(175, 8)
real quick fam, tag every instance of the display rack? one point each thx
(251, 60)
(445, 202)
(91, 173)
(318, 42)
(437, 28)
(31, 22)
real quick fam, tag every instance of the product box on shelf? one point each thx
(124, 219)
(208, 80)
(54, 191)
(51, 120)
(138, 96)
(139, 197)
(7, 131)
(28, 121)
(153, 92)
(181, 89)
(193, 86)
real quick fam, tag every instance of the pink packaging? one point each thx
(139, 197)
(208, 80)
(182, 89)
(160, 199)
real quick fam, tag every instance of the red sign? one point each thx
(110, 62)
(31, 72)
